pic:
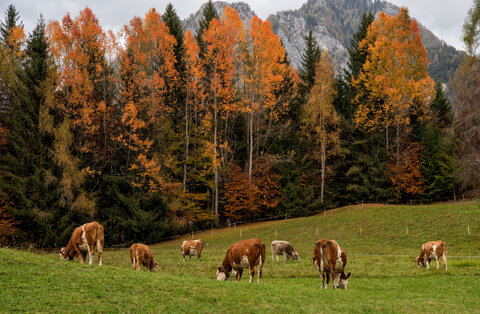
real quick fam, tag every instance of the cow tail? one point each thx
(263, 253)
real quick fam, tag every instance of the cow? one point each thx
(432, 249)
(330, 260)
(192, 248)
(140, 254)
(82, 242)
(284, 248)
(242, 254)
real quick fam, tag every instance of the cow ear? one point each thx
(349, 273)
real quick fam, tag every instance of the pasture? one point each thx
(380, 256)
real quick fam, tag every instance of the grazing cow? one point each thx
(284, 248)
(240, 255)
(330, 259)
(192, 248)
(140, 254)
(82, 242)
(432, 249)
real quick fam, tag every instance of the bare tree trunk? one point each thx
(250, 151)
(323, 161)
(215, 164)
(187, 143)
(398, 142)
(386, 135)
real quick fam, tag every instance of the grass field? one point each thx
(379, 282)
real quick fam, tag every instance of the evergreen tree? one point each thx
(361, 171)
(11, 20)
(311, 55)
(29, 180)
(441, 108)
(438, 164)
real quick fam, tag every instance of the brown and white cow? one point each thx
(284, 248)
(82, 242)
(432, 249)
(192, 248)
(140, 254)
(242, 254)
(330, 260)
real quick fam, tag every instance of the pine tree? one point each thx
(311, 55)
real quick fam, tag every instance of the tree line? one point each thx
(155, 130)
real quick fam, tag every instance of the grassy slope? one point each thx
(32, 282)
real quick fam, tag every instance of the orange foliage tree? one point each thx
(79, 47)
(219, 71)
(394, 75)
(147, 63)
(265, 69)
(396, 83)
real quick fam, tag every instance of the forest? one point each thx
(155, 131)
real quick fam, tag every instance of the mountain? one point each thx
(333, 22)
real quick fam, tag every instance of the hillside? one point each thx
(380, 257)
(333, 22)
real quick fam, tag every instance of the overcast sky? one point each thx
(443, 17)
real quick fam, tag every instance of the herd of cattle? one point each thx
(328, 257)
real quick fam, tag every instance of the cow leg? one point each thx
(90, 253)
(252, 273)
(277, 258)
(240, 273)
(133, 262)
(138, 263)
(337, 280)
(260, 270)
(183, 257)
(272, 256)
(438, 262)
(99, 252)
(285, 257)
(428, 263)
(333, 278)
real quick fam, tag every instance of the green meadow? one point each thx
(380, 253)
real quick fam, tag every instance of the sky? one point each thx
(443, 17)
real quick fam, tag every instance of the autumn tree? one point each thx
(320, 118)
(396, 75)
(265, 72)
(396, 80)
(147, 64)
(218, 65)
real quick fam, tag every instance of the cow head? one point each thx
(64, 254)
(154, 266)
(222, 274)
(295, 256)
(343, 281)
(420, 262)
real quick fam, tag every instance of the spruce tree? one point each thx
(362, 171)
(311, 55)
(438, 164)
(441, 108)
(28, 177)
(11, 20)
